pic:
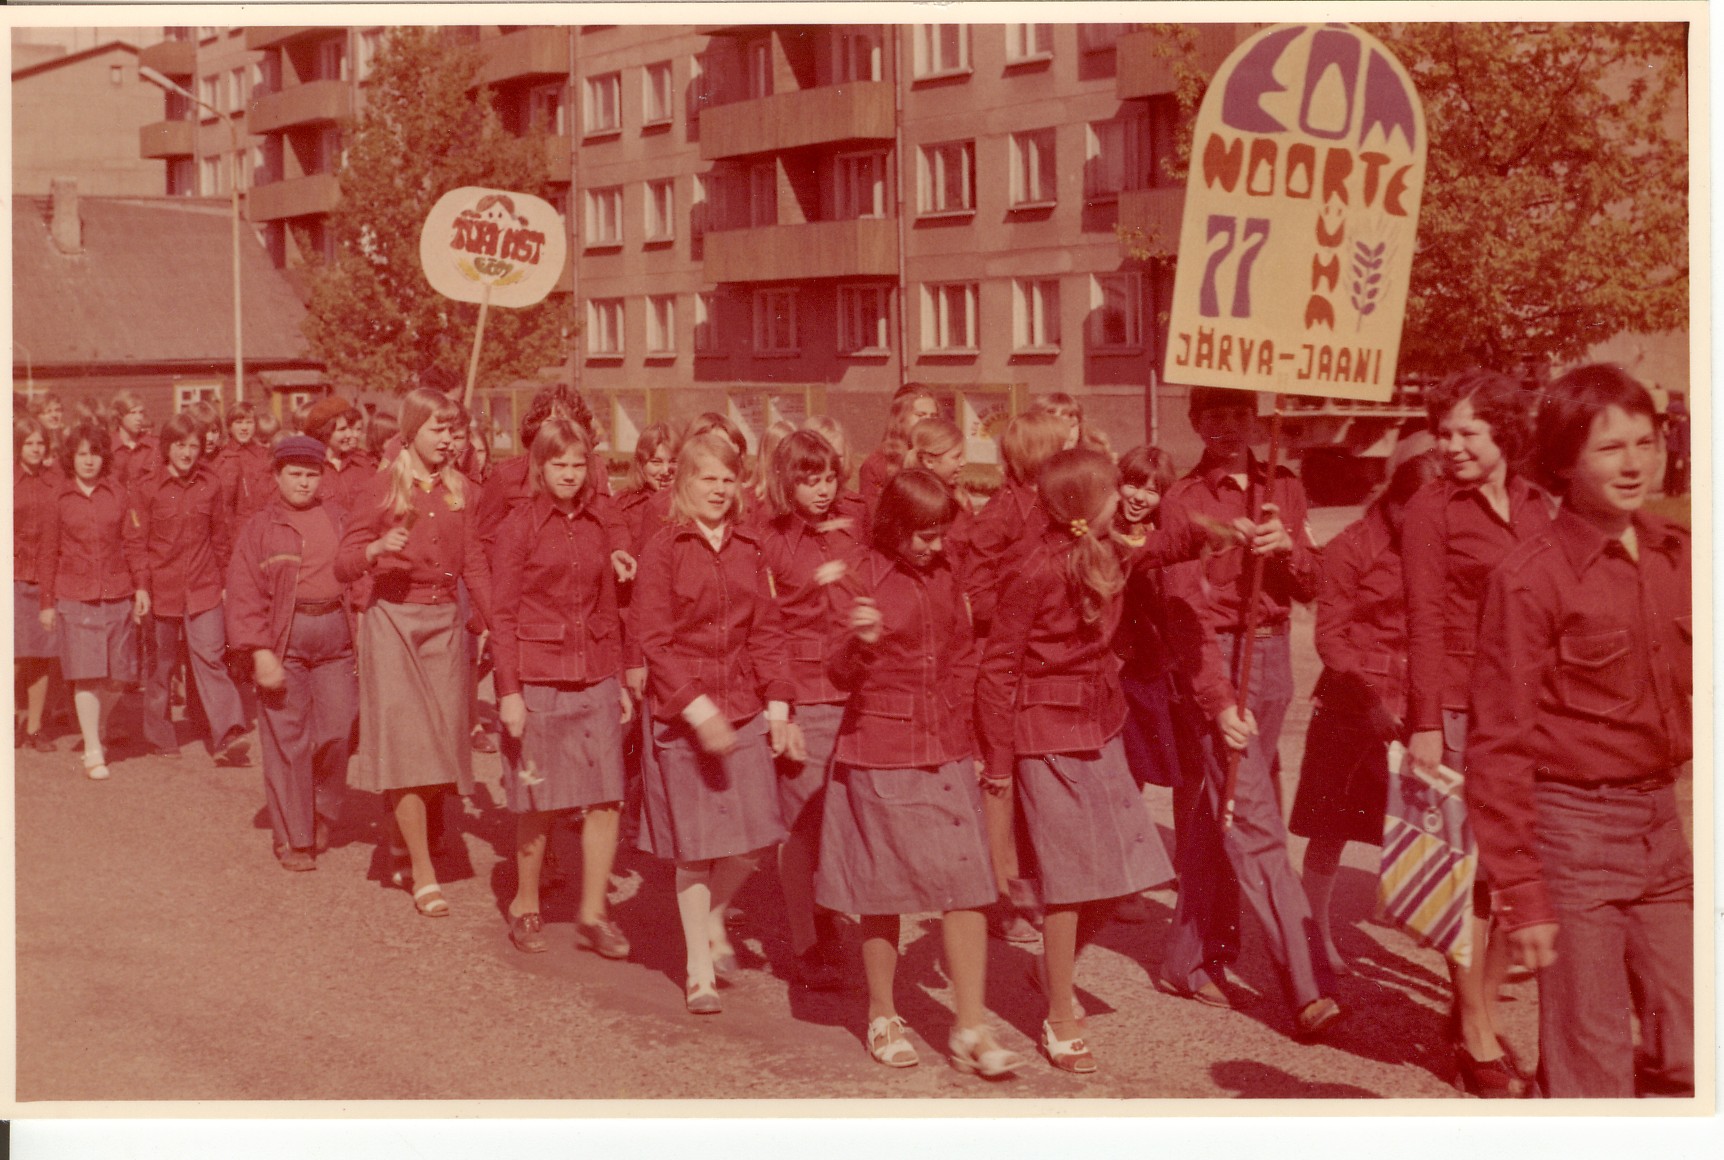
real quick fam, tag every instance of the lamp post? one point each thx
(161, 81)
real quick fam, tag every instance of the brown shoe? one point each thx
(603, 938)
(234, 755)
(292, 859)
(1315, 1018)
(527, 932)
(1210, 994)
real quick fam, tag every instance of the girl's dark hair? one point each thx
(93, 433)
(180, 426)
(912, 501)
(240, 411)
(1410, 476)
(1571, 404)
(24, 426)
(1497, 400)
(379, 431)
(555, 436)
(1075, 486)
(799, 457)
(1147, 467)
(651, 438)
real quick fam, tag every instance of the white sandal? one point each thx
(975, 1051)
(893, 1052)
(1071, 1055)
(96, 770)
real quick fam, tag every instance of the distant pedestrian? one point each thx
(1677, 445)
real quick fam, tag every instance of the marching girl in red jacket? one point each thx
(286, 608)
(913, 403)
(903, 831)
(89, 591)
(807, 551)
(650, 472)
(412, 535)
(35, 649)
(718, 684)
(559, 648)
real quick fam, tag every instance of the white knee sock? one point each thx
(694, 905)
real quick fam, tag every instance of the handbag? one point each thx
(1429, 859)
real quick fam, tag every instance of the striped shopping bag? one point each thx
(1429, 858)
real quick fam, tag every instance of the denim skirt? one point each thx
(30, 641)
(1091, 830)
(802, 785)
(97, 639)
(571, 752)
(695, 806)
(1343, 780)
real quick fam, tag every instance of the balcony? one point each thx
(295, 197)
(860, 111)
(166, 139)
(529, 52)
(171, 58)
(1143, 72)
(307, 104)
(1157, 212)
(864, 248)
(261, 37)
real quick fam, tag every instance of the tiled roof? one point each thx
(154, 284)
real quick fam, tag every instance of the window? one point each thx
(209, 91)
(948, 178)
(702, 205)
(239, 92)
(210, 173)
(763, 194)
(605, 217)
(1116, 311)
(862, 326)
(604, 104)
(187, 394)
(856, 54)
(605, 327)
(1116, 156)
(241, 173)
(706, 323)
(949, 317)
(757, 56)
(545, 109)
(332, 59)
(941, 49)
(1033, 180)
(182, 177)
(1027, 42)
(657, 102)
(699, 85)
(660, 211)
(661, 325)
(1101, 37)
(775, 322)
(1035, 314)
(370, 42)
(259, 172)
(860, 185)
(327, 155)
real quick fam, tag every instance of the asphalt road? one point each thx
(163, 955)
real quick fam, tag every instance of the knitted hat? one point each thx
(299, 449)
(325, 412)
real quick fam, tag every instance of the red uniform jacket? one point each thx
(263, 579)
(442, 547)
(706, 624)
(912, 693)
(1362, 620)
(1584, 675)
(244, 471)
(178, 537)
(344, 485)
(128, 465)
(1215, 589)
(1451, 539)
(995, 543)
(632, 508)
(509, 488)
(795, 550)
(83, 551)
(871, 477)
(555, 595)
(34, 494)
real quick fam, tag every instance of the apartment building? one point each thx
(777, 219)
(196, 142)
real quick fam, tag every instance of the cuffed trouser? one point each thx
(206, 645)
(1250, 859)
(1620, 877)
(306, 728)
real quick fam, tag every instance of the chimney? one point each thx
(63, 222)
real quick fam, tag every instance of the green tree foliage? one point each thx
(426, 129)
(1555, 210)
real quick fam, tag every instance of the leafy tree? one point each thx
(426, 129)
(1555, 208)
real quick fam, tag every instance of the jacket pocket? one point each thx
(542, 633)
(1592, 676)
(808, 651)
(893, 706)
(1062, 692)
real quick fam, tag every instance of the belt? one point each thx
(1651, 783)
(1262, 631)
(317, 607)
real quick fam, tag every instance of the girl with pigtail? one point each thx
(912, 403)
(413, 536)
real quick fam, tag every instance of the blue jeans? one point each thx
(306, 728)
(206, 643)
(1621, 879)
(1250, 859)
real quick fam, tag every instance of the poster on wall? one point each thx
(1301, 212)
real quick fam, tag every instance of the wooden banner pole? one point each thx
(478, 345)
(1248, 633)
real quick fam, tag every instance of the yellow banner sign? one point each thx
(1301, 211)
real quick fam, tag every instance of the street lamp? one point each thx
(161, 81)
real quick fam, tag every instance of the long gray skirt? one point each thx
(30, 641)
(571, 752)
(904, 841)
(98, 638)
(696, 806)
(1090, 828)
(413, 699)
(802, 785)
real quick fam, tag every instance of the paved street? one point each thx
(162, 954)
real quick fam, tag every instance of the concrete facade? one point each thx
(78, 115)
